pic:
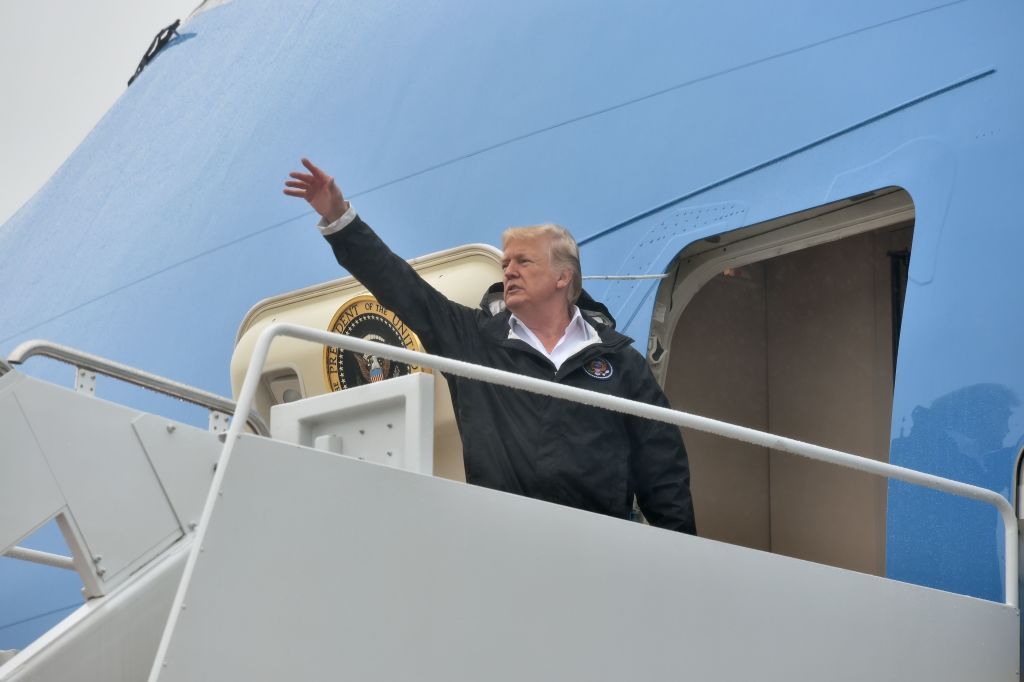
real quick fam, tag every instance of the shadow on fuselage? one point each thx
(948, 542)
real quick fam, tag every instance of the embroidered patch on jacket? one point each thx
(599, 368)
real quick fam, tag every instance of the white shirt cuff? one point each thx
(339, 224)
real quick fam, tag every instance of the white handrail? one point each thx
(548, 388)
(44, 558)
(132, 375)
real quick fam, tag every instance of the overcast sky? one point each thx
(63, 63)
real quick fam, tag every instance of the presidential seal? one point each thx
(365, 318)
(599, 368)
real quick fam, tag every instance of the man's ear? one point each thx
(564, 279)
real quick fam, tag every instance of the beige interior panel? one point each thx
(720, 374)
(799, 345)
(823, 361)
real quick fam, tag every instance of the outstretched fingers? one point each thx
(315, 171)
(297, 188)
(318, 189)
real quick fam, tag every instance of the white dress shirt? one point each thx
(346, 218)
(578, 335)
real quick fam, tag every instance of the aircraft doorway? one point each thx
(790, 327)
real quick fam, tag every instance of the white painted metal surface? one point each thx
(427, 567)
(426, 579)
(123, 486)
(183, 459)
(22, 468)
(45, 558)
(219, 421)
(631, 407)
(87, 366)
(85, 381)
(110, 639)
(109, 489)
(391, 422)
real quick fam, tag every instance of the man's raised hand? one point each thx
(319, 189)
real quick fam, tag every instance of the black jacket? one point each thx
(519, 442)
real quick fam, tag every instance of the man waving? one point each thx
(519, 442)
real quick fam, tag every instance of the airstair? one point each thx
(308, 553)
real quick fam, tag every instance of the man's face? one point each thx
(531, 283)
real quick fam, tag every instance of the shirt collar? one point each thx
(518, 328)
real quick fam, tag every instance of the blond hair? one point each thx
(564, 251)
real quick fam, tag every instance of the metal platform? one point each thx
(288, 562)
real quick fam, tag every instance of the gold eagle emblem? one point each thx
(365, 318)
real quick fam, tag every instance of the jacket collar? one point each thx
(493, 302)
(496, 328)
